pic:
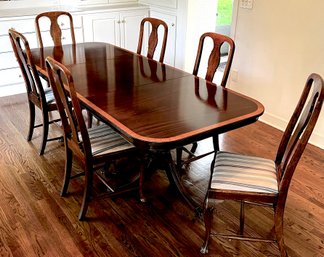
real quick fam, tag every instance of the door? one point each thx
(224, 20)
(130, 27)
(102, 27)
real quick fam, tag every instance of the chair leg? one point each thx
(179, 157)
(87, 192)
(141, 182)
(194, 147)
(242, 218)
(279, 213)
(31, 120)
(216, 143)
(90, 119)
(208, 219)
(45, 131)
(68, 168)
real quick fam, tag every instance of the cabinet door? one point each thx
(130, 26)
(170, 52)
(102, 27)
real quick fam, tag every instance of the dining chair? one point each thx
(213, 63)
(251, 179)
(153, 39)
(95, 147)
(38, 95)
(55, 29)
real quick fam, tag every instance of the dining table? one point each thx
(155, 106)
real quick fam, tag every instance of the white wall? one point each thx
(201, 17)
(279, 43)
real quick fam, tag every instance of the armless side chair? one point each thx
(213, 63)
(55, 30)
(94, 147)
(153, 37)
(38, 96)
(250, 179)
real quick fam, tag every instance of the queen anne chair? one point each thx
(258, 180)
(55, 28)
(94, 147)
(38, 96)
(153, 37)
(212, 66)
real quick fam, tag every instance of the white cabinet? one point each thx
(161, 3)
(118, 28)
(97, 2)
(11, 80)
(171, 21)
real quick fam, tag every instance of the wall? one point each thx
(201, 17)
(279, 43)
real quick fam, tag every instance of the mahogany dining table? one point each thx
(155, 106)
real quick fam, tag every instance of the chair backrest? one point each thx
(75, 131)
(215, 56)
(23, 54)
(299, 130)
(153, 37)
(55, 28)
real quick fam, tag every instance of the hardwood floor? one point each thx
(36, 221)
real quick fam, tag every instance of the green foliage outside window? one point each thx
(224, 12)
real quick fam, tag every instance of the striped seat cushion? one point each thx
(49, 95)
(105, 140)
(244, 173)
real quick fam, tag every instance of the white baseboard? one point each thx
(277, 122)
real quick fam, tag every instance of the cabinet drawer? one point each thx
(8, 60)
(23, 26)
(11, 76)
(5, 44)
(66, 37)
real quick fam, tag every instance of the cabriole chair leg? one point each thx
(208, 217)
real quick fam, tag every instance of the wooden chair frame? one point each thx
(76, 136)
(213, 63)
(291, 147)
(153, 37)
(55, 29)
(35, 91)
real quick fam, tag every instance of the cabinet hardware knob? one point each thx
(123, 21)
(172, 25)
